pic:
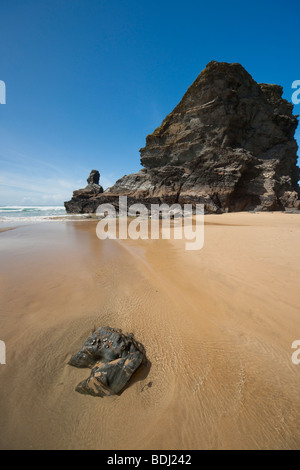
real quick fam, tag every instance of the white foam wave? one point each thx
(4, 209)
(44, 218)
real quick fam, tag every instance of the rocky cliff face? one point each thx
(228, 144)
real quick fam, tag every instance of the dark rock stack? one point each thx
(82, 200)
(113, 358)
(228, 144)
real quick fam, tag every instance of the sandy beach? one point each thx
(217, 324)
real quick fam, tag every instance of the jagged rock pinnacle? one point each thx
(229, 144)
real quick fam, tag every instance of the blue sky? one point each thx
(87, 80)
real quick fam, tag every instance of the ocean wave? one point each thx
(44, 218)
(5, 209)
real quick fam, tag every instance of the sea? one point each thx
(19, 215)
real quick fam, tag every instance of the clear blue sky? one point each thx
(87, 80)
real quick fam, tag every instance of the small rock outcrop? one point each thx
(229, 144)
(113, 358)
(81, 200)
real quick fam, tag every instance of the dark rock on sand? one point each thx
(113, 358)
(228, 144)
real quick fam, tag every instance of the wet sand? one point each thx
(217, 324)
(5, 229)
